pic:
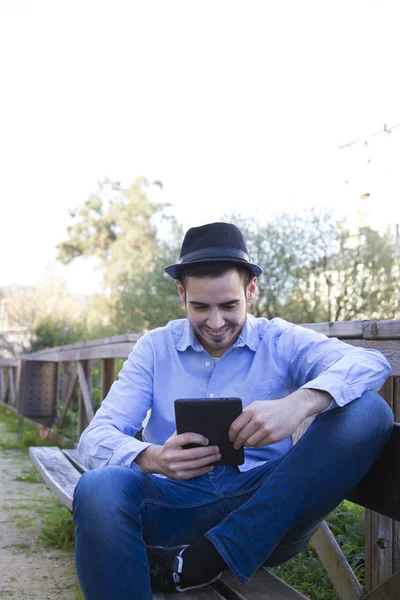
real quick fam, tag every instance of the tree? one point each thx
(316, 270)
(123, 232)
(152, 300)
(23, 308)
(287, 247)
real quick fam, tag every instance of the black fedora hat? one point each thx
(215, 242)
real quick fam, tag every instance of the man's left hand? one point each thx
(268, 421)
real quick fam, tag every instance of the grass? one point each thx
(304, 572)
(50, 520)
(19, 434)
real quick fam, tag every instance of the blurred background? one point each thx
(123, 124)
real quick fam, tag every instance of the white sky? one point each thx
(234, 106)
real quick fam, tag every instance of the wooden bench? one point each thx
(379, 491)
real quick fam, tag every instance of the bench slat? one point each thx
(206, 593)
(262, 586)
(75, 458)
(57, 472)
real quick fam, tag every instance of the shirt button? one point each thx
(208, 364)
(211, 395)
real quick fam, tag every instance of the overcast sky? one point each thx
(234, 106)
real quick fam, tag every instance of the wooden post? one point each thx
(11, 379)
(85, 411)
(380, 544)
(67, 387)
(107, 375)
(396, 524)
(2, 385)
(334, 561)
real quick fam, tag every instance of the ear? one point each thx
(181, 291)
(251, 290)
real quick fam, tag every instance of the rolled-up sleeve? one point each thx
(109, 438)
(328, 364)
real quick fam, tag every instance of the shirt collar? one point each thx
(247, 337)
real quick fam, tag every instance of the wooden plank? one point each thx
(76, 460)
(383, 330)
(9, 362)
(378, 550)
(83, 372)
(3, 386)
(107, 375)
(389, 590)
(386, 391)
(11, 379)
(121, 350)
(339, 329)
(115, 339)
(69, 378)
(118, 346)
(206, 593)
(262, 586)
(396, 524)
(340, 573)
(379, 490)
(396, 398)
(396, 546)
(57, 472)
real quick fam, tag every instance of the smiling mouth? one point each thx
(216, 334)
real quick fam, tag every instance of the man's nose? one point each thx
(216, 321)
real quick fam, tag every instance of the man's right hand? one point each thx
(175, 462)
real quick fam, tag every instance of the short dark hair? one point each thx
(215, 269)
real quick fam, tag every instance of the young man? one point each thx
(160, 515)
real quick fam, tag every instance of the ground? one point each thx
(27, 569)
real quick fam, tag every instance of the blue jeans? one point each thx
(260, 517)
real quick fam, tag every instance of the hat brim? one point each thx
(174, 270)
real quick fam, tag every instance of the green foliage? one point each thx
(58, 529)
(150, 300)
(30, 476)
(123, 232)
(49, 334)
(18, 432)
(306, 573)
(315, 270)
(117, 229)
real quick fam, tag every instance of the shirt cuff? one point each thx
(126, 453)
(341, 392)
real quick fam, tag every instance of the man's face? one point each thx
(216, 308)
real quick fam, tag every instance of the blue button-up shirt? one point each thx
(268, 361)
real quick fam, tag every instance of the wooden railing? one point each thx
(59, 370)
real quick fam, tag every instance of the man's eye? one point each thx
(229, 307)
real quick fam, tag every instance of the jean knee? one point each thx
(101, 492)
(377, 410)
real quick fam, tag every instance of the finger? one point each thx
(258, 440)
(238, 424)
(194, 464)
(200, 453)
(180, 454)
(249, 430)
(189, 437)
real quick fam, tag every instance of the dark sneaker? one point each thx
(165, 567)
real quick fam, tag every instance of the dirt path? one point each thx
(27, 570)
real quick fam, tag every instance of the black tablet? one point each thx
(212, 417)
